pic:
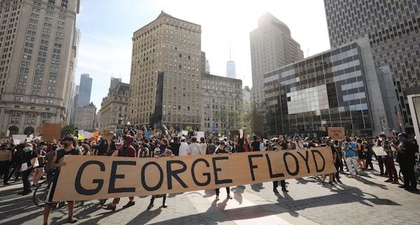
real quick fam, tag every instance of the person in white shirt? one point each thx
(194, 148)
(203, 146)
(183, 148)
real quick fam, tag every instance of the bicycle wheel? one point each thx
(40, 194)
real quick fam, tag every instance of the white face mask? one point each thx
(380, 139)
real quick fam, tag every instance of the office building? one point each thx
(393, 31)
(271, 48)
(86, 118)
(36, 38)
(337, 88)
(231, 69)
(171, 46)
(85, 90)
(114, 106)
(71, 105)
(222, 104)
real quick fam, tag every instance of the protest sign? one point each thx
(101, 177)
(336, 133)
(379, 151)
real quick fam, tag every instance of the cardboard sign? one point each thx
(379, 151)
(336, 133)
(51, 131)
(101, 177)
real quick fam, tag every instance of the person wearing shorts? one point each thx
(57, 162)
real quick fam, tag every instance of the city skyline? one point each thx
(105, 48)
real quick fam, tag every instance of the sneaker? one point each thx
(164, 205)
(217, 198)
(150, 206)
(389, 180)
(129, 204)
(284, 190)
(395, 182)
(275, 191)
(229, 196)
(71, 220)
(339, 181)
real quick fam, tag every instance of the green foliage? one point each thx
(188, 128)
(68, 129)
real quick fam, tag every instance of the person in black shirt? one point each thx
(221, 150)
(255, 145)
(279, 147)
(407, 151)
(57, 163)
(175, 146)
(28, 158)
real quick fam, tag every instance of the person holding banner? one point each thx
(221, 150)
(56, 163)
(126, 151)
(278, 147)
(161, 151)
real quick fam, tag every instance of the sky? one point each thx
(107, 27)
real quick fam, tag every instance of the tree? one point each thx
(257, 121)
(68, 130)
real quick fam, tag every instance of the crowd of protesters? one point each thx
(352, 156)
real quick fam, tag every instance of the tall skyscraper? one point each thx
(85, 89)
(171, 46)
(36, 38)
(394, 35)
(231, 69)
(71, 105)
(271, 48)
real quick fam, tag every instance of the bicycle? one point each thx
(41, 192)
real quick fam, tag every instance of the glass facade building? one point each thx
(327, 90)
(393, 30)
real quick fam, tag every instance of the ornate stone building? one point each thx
(37, 62)
(114, 107)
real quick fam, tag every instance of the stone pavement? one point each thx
(364, 200)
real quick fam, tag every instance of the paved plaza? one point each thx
(364, 200)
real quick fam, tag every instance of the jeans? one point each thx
(352, 164)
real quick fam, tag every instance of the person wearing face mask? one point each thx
(56, 163)
(407, 151)
(161, 151)
(39, 170)
(380, 158)
(127, 150)
(28, 163)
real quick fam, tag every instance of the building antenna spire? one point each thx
(230, 52)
